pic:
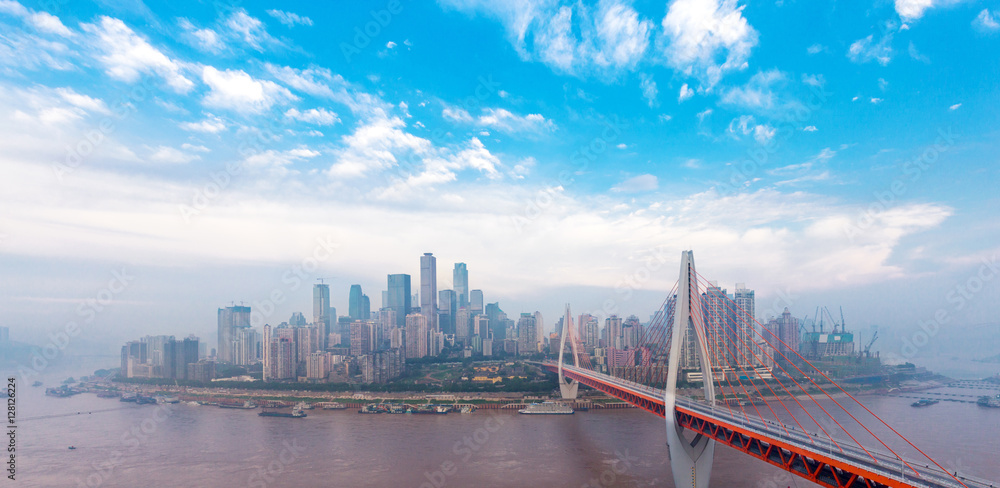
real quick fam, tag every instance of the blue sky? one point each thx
(557, 147)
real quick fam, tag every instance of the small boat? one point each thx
(304, 406)
(923, 403)
(334, 406)
(546, 408)
(467, 409)
(296, 413)
(72, 448)
(247, 405)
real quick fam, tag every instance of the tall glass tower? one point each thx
(461, 284)
(428, 290)
(398, 297)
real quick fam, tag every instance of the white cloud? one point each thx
(83, 101)
(622, 146)
(204, 39)
(577, 39)
(866, 50)
(876, 100)
(390, 45)
(42, 21)
(987, 20)
(815, 49)
(196, 148)
(164, 154)
(236, 90)
(685, 93)
(758, 93)
(664, 118)
(506, 121)
(703, 115)
(649, 90)
(746, 125)
(126, 55)
(456, 114)
(637, 184)
(912, 9)
(321, 82)
(916, 54)
(289, 18)
(763, 134)
(211, 125)
(375, 146)
(250, 29)
(955, 106)
(707, 38)
(317, 116)
(810, 128)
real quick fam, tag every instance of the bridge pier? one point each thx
(568, 388)
(690, 460)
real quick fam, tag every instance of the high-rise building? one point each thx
(282, 359)
(463, 325)
(498, 321)
(481, 326)
(784, 337)
(361, 334)
(476, 301)
(461, 283)
(298, 319)
(416, 336)
(589, 330)
(613, 328)
(746, 325)
(447, 307)
(356, 304)
(399, 297)
(246, 347)
(428, 290)
(230, 318)
(539, 328)
(526, 334)
(366, 307)
(322, 318)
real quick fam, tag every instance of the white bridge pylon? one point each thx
(690, 460)
(568, 388)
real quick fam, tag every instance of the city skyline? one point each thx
(349, 152)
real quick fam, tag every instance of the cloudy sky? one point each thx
(837, 153)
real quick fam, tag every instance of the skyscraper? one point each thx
(366, 308)
(461, 284)
(416, 336)
(476, 301)
(230, 318)
(428, 290)
(356, 304)
(746, 325)
(613, 328)
(526, 334)
(498, 321)
(322, 318)
(447, 306)
(399, 297)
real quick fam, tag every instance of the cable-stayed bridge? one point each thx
(761, 398)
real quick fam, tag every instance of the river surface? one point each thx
(127, 445)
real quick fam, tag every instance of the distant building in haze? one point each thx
(230, 319)
(428, 290)
(399, 298)
(460, 281)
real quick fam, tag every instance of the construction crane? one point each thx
(868, 347)
(320, 280)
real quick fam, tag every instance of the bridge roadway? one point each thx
(889, 467)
